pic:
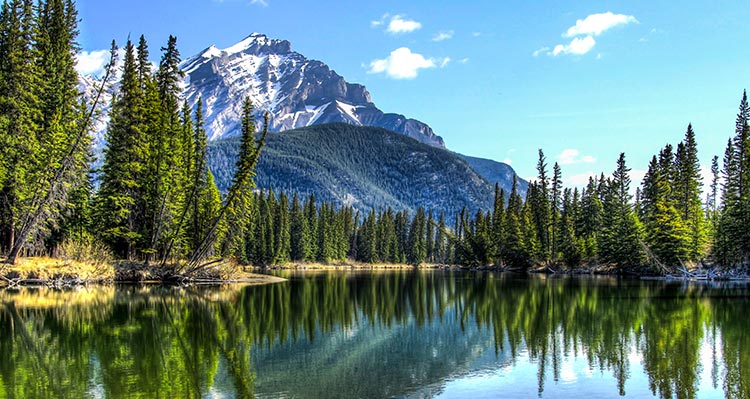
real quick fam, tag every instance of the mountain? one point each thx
(370, 169)
(365, 167)
(295, 90)
(496, 172)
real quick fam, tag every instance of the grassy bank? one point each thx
(66, 272)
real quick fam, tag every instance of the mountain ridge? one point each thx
(364, 167)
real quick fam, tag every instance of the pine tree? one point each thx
(539, 201)
(20, 117)
(711, 198)
(589, 221)
(732, 238)
(727, 232)
(441, 250)
(417, 239)
(514, 251)
(666, 235)
(568, 244)
(498, 225)
(311, 215)
(430, 237)
(242, 182)
(688, 193)
(555, 203)
(620, 240)
(281, 231)
(367, 245)
(300, 233)
(120, 193)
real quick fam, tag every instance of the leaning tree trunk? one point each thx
(40, 202)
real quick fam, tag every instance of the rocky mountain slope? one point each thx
(295, 90)
(365, 167)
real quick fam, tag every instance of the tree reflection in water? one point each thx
(368, 335)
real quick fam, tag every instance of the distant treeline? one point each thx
(157, 200)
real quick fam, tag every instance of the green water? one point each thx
(380, 335)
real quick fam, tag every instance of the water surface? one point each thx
(380, 335)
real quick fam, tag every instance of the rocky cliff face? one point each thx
(296, 91)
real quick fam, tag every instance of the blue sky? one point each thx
(583, 80)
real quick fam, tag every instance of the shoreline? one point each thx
(695, 274)
(61, 273)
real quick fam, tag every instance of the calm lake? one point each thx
(380, 335)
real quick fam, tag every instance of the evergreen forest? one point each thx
(156, 200)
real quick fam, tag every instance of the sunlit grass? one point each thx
(46, 268)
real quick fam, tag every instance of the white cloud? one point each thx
(580, 179)
(583, 32)
(507, 161)
(400, 25)
(596, 24)
(476, 34)
(92, 63)
(577, 46)
(464, 60)
(571, 156)
(443, 35)
(444, 62)
(402, 64)
(542, 50)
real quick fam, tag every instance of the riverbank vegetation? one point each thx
(153, 202)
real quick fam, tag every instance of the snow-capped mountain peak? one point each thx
(295, 90)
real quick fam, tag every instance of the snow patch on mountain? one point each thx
(294, 90)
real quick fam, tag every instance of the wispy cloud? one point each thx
(464, 60)
(583, 32)
(396, 24)
(570, 156)
(646, 38)
(443, 35)
(381, 21)
(402, 63)
(541, 51)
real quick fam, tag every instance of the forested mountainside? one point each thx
(365, 167)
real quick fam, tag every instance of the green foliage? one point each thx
(44, 142)
(365, 167)
(159, 198)
(732, 237)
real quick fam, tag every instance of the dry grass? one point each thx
(45, 268)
